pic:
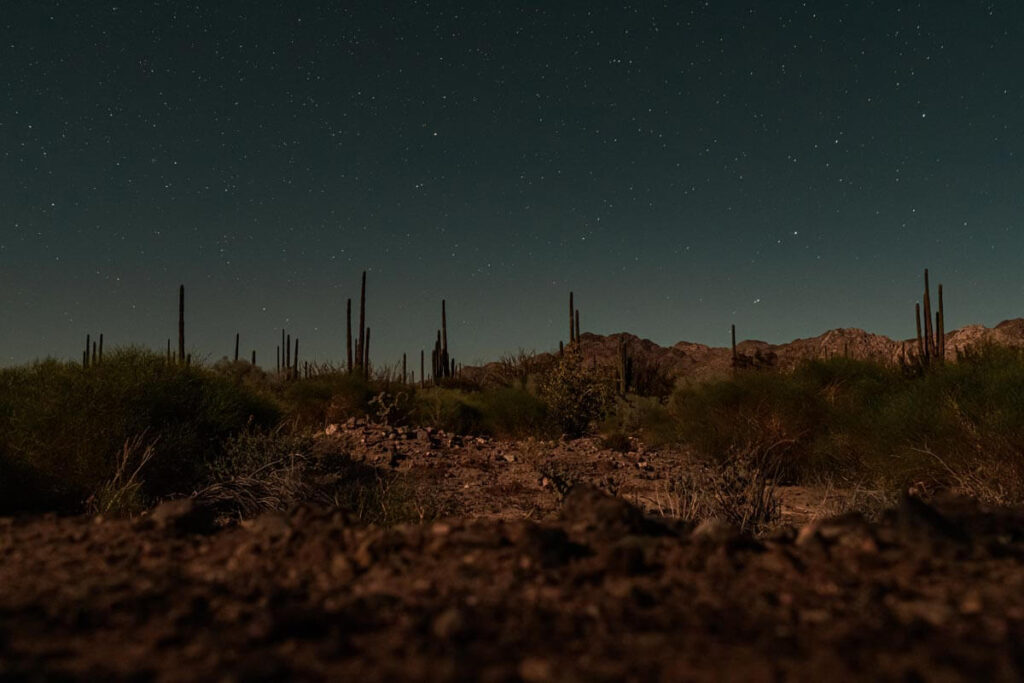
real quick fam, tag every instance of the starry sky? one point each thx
(786, 166)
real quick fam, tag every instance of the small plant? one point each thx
(516, 369)
(122, 494)
(575, 397)
(449, 410)
(560, 476)
(390, 406)
(738, 490)
(617, 441)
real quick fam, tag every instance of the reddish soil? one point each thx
(526, 584)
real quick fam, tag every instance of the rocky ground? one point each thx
(535, 579)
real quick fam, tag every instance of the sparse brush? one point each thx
(516, 369)
(956, 426)
(391, 408)
(643, 417)
(737, 490)
(559, 476)
(122, 494)
(277, 470)
(276, 485)
(842, 497)
(66, 426)
(575, 397)
(617, 441)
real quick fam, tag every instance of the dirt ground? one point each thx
(536, 579)
(482, 478)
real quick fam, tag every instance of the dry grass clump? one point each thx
(276, 470)
(740, 490)
(958, 426)
(867, 500)
(574, 396)
(122, 494)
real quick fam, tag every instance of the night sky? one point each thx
(787, 166)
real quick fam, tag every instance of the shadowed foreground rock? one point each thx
(599, 595)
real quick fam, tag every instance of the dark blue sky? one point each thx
(787, 166)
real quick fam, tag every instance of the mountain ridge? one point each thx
(697, 362)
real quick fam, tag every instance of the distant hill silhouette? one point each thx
(696, 362)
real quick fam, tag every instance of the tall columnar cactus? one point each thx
(362, 324)
(572, 320)
(237, 337)
(423, 367)
(348, 333)
(929, 337)
(921, 338)
(254, 357)
(446, 370)
(288, 353)
(100, 359)
(941, 327)
(931, 342)
(366, 356)
(436, 359)
(181, 324)
(88, 351)
(440, 361)
(624, 367)
(405, 373)
(295, 361)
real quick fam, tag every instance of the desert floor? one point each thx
(539, 574)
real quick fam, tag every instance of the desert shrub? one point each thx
(448, 409)
(645, 417)
(617, 441)
(372, 496)
(737, 490)
(391, 407)
(503, 412)
(652, 378)
(122, 494)
(65, 427)
(514, 413)
(516, 369)
(761, 411)
(260, 470)
(956, 425)
(327, 398)
(574, 396)
(277, 469)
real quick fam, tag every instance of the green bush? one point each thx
(646, 417)
(575, 397)
(328, 398)
(503, 412)
(514, 413)
(954, 425)
(63, 428)
(448, 409)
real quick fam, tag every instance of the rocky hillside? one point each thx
(696, 362)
